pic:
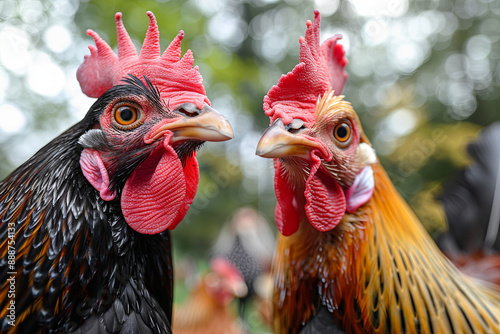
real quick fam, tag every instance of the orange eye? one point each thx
(126, 116)
(342, 132)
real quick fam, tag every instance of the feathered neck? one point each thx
(379, 271)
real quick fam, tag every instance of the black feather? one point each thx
(150, 91)
(322, 322)
(186, 149)
(472, 200)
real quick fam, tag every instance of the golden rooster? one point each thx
(351, 248)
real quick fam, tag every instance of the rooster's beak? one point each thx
(277, 142)
(208, 125)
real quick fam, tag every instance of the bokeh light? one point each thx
(57, 38)
(41, 69)
(13, 119)
(15, 54)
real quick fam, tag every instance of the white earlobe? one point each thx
(361, 190)
(366, 154)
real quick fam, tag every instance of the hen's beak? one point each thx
(277, 142)
(208, 125)
(238, 288)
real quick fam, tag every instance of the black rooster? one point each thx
(248, 243)
(85, 246)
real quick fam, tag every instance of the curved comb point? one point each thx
(103, 49)
(151, 46)
(97, 64)
(125, 45)
(173, 52)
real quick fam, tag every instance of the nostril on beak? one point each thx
(295, 131)
(295, 126)
(188, 113)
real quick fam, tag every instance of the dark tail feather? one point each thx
(322, 322)
(472, 201)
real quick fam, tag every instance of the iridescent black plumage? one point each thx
(79, 266)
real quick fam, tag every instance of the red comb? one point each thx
(321, 68)
(176, 78)
(225, 268)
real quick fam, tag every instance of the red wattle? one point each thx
(286, 214)
(325, 198)
(157, 194)
(192, 177)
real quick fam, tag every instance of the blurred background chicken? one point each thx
(242, 252)
(207, 309)
(247, 242)
(472, 205)
(351, 256)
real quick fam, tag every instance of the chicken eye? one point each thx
(126, 116)
(342, 132)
